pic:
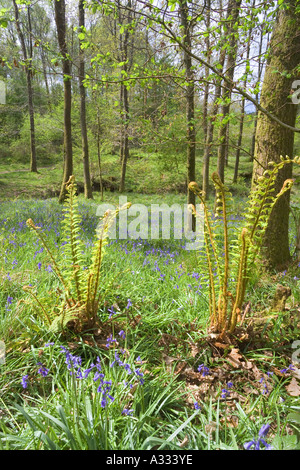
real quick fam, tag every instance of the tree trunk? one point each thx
(125, 142)
(88, 192)
(206, 88)
(260, 69)
(60, 19)
(124, 149)
(273, 140)
(240, 137)
(211, 126)
(232, 13)
(190, 104)
(28, 68)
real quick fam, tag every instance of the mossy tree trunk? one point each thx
(272, 139)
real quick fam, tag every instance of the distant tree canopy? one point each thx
(181, 80)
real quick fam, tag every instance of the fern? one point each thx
(81, 288)
(240, 251)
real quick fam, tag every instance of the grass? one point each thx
(160, 400)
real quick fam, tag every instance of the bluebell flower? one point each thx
(284, 371)
(111, 311)
(140, 375)
(225, 393)
(86, 372)
(122, 334)
(43, 370)
(24, 381)
(265, 388)
(127, 412)
(256, 444)
(197, 406)
(129, 304)
(205, 370)
(110, 340)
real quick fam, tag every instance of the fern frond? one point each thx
(74, 247)
(54, 264)
(98, 252)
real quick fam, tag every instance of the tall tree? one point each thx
(125, 20)
(272, 139)
(27, 56)
(242, 118)
(260, 68)
(213, 115)
(190, 99)
(88, 193)
(233, 11)
(60, 20)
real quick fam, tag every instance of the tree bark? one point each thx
(233, 14)
(240, 137)
(190, 104)
(260, 70)
(273, 140)
(28, 69)
(124, 98)
(88, 192)
(60, 19)
(211, 125)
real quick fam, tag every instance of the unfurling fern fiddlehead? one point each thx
(240, 259)
(81, 286)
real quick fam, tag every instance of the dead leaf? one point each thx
(184, 443)
(221, 345)
(234, 357)
(293, 388)
(194, 349)
(296, 373)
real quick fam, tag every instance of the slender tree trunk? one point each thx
(88, 192)
(273, 140)
(233, 14)
(28, 69)
(190, 103)
(99, 151)
(260, 69)
(60, 19)
(240, 137)
(211, 123)
(43, 59)
(125, 154)
(124, 151)
(206, 88)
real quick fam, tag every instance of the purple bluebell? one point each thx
(122, 334)
(205, 370)
(24, 381)
(256, 444)
(43, 370)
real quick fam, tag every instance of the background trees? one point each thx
(272, 139)
(172, 86)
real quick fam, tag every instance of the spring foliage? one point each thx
(230, 262)
(81, 288)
